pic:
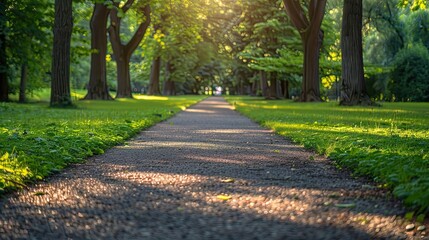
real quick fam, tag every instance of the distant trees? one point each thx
(63, 26)
(4, 85)
(275, 48)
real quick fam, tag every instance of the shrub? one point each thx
(410, 74)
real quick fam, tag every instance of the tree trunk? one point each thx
(154, 77)
(97, 87)
(285, 89)
(122, 51)
(272, 90)
(23, 83)
(123, 77)
(63, 26)
(311, 36)
(311, 82)
(264, 84)
(353, 90)
(4, 84)
(169, 88)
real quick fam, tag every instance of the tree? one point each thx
(122, 51)
(97, 87)
(33, 31)
(311, 36)
(155, 70)
(4, 85)
(353, 90)
(154, 77)
(63, 27)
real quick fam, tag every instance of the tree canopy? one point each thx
(276, 49)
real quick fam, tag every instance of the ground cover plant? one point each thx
(388, 143)
(36, 140)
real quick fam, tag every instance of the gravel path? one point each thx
(173, 181)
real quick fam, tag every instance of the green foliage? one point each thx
(389, 143)
(29, 36)
(36, 141)
(418, 25)
(410, 74)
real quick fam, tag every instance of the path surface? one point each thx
(167, 183)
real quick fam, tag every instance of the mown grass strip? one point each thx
(36, 140)
(388, 143)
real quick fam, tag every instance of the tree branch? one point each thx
(138, 35)
(296, 15)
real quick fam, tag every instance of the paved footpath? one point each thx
(207, 173)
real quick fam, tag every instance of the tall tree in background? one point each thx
(97, 88)
(4, 85)
(63, 26)
(155, 70)
(122, 51)
(353, 90)
(154, 77)
(311, 36)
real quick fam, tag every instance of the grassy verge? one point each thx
(388, 143)
(36, 140)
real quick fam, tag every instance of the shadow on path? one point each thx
(168, 183)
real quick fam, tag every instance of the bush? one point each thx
(410, 74)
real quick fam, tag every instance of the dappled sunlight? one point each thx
(226, 131)
(218, 174)
(225, 160)
(200, 111)
(146, 97)
(384, 132)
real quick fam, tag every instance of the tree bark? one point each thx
(273, 88)
(123, 52)
(311, 36)
(63, 26)
(23, 83)
(154, 77)
(4, 84)
(97, 87)
(264, 84)
(285, 89)
(353, 90)
(169, 88)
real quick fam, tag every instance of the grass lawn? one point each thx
(36, 140)
(389, 143)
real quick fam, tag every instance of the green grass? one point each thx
(36, 140)
(389, 143)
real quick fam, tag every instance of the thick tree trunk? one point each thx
(97, 87)
(123, 77)
(23, 83)
(154, 77)
(353, 90)
(264, 84)
(63, 26)
(311, 82)
(123, 52)
(4, 84)
(311, 35)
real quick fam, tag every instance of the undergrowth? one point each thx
(390, 143)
